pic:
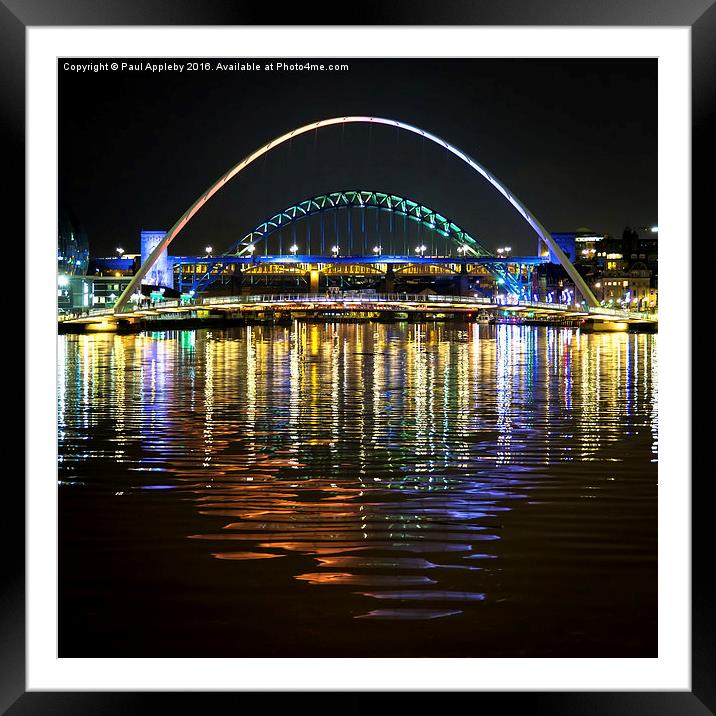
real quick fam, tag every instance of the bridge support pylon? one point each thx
(314, 280)
(463, 281)
(389, 281)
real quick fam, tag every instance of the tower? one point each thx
(159, 274)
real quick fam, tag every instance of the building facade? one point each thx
(161, 273)
(72, 245)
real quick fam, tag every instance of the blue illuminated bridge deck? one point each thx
(383, 259)
(197, 273)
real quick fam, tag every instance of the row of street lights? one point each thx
(335, 250)
(377, 250)
(208, 250)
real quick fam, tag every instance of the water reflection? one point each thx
(392, 459)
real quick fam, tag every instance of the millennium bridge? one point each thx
(375, 237)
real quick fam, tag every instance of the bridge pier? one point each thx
(392, 316)
(463, 281)
(592, 325)
(314, 280)
(128, 325)
(389, 280)
(417, 317)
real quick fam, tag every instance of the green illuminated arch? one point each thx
(381, 201)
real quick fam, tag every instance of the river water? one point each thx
(362, 490)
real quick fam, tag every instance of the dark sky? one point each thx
(574, 139)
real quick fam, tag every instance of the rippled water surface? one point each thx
(358, 490)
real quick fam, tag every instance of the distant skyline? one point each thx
(574, 139)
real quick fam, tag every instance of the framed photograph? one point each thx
(350, 367)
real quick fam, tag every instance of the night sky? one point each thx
(574, 139)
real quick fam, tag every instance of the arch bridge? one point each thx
(365, 201)
(357, 233)
(544, 236)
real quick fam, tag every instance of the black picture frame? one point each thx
(17, 15)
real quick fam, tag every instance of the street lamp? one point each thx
(250, 249)
(208, 250)
(120, 251)
(335, 250)
(508, 249)
(462, 249)
(294, 249)
(377, 250)
(421, 249)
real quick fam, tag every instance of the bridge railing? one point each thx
(81, 313)
(417, 298)
(562, 307)
(342, 298)
(358, 298)
(621, 313)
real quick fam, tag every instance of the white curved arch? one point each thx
(518, 205)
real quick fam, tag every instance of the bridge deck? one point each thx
(383, 259)
(367, 302)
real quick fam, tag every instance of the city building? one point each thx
(622, 272)
(72, 245)
(162, 272)
(551, 284)
(78, 293)
(633, 289)
(84, 283)
(123, 265)
(628, 271)
(580, 245)
(567, 242)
